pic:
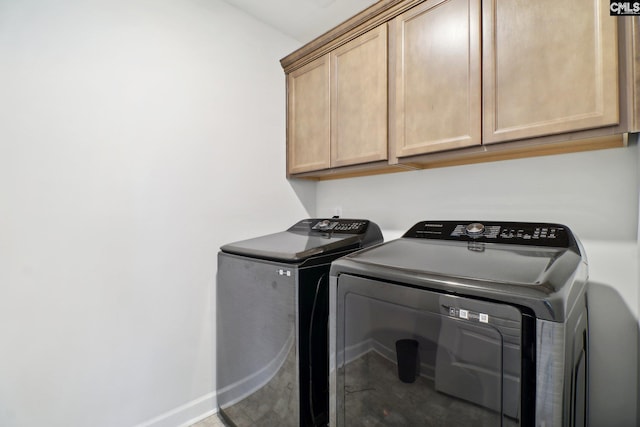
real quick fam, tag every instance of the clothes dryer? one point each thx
(461, 323)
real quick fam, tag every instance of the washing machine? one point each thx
(271, 321)
(479, 323)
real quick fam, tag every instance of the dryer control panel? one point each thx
(517, 233)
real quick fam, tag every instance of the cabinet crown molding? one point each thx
(374, 15)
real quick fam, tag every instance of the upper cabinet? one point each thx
(548, 67)
(425, 83)
(308, 118)
(359, 99)
(337, 106)
(435, 71)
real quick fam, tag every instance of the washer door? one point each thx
(409, 357)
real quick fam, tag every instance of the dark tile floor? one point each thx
(376, 397)
(212, 421)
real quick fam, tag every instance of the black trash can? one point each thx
(408, 360)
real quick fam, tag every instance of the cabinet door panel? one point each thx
(359, 99)
(308, 138)
(436, 98)
(549, 67)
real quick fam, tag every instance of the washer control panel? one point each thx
(332, 225)
(518, 233)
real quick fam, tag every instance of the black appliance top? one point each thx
(530, 264)
(309, 238)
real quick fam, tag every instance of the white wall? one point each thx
(136, 137)
(594, 193)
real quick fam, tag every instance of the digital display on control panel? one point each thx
(535, 234)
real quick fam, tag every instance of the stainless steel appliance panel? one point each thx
(468, 357)
(258, 357)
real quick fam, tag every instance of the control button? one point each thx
(474, 229)
(324, 225)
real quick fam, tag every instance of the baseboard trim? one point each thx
(187, 414)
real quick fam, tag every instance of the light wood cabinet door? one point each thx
(359, 99)
(548, 67)
(308, 120)
(435, 77)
